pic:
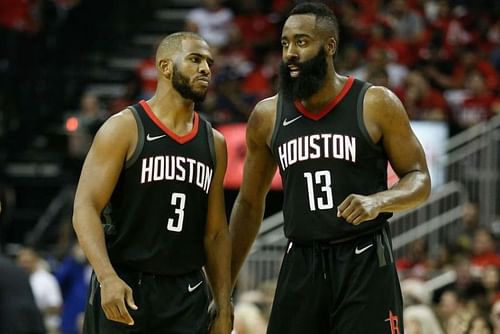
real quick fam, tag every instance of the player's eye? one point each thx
(301, 42)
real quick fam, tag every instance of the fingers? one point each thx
(111, 312)
(348, 209)
(355, 215)
(114, 304)
(124, 315)
(344, 205)
(118, 312)
(355, 209)
(130, 299)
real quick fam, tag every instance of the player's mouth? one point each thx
(294, 71)
(204, 81)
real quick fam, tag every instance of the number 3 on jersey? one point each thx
(179, 201)
(322, 178)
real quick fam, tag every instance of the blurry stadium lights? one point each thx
(71, 124)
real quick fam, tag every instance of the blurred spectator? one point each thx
(261, 82)
(436, 64)
(378, 77)
(448, 307)
(490, 277)
(493, 36)
(459, 322)
(20, 15)
(415, 292)
(74, 277)
(82, 126)
(484, 249)
(470, 223)
(257, 29)
(436, 12)
(495, 317)
(466, 285)
(146, 72)
(378, 59)
(397, 50)
(422, 102)
(420, 319)
(19, 313)
(248, 319)
(406, 23)
(351, 60)
(130, 95)
(442, 261)
(45, 288)
(231, 104)
(472, 105)
(356, 20)
(479, 325)
(416, 262)
(213, 22)
(471, 60)
(457, 33)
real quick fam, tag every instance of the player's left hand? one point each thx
(356, 209)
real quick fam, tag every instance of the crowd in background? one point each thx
(441, 58)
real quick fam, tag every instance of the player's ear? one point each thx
(165, 66)
(331, 46)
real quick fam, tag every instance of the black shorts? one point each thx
(346, 288)
(166, 304)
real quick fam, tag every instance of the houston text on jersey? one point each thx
(182, 169)
(317, 146)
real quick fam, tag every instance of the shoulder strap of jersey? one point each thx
(277, 120)
(359, 111)
(211, 143)
(140, 134)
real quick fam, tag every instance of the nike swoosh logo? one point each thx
(288, 122)
(359, 251)
(151, 138)
(192, 288)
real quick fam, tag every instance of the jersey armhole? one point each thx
(140, 137)
(277, 120)
(211, 143)
(361, 121)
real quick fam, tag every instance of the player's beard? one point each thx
(181, 84)
(311, 77)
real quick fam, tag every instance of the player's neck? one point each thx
(171, 108)
(331, 88)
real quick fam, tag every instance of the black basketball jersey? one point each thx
(158, 210)
(322, 158)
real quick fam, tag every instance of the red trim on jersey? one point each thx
(326, 109)
(180, 139)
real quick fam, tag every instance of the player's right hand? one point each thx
(115, 296)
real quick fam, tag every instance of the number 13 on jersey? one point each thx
(323, 180)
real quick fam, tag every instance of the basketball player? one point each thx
(331, 137)
(155, 173)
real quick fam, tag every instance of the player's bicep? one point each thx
(403, 149)
(103, 165)
(260, 167)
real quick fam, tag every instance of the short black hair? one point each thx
(173, 43)
(325, 18)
